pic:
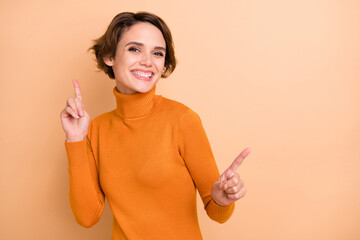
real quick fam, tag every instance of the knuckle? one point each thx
(70, 102)
(236, 181)
(71, 110)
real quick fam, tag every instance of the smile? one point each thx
(142, 75)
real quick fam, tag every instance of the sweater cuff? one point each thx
(76, 153)
(221, 213)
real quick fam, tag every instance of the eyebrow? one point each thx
(141, 44)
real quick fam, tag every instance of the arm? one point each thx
(196, 151)
(86, 197)
(85, 194)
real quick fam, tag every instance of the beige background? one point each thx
(281, 77)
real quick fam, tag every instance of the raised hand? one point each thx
(229, 187)
(74, 118)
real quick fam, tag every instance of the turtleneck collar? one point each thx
(134, 105)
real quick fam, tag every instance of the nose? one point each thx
(146, 60)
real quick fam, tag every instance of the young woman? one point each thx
(150, 154)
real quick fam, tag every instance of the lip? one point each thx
(142, 78)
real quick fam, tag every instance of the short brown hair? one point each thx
(106, 45)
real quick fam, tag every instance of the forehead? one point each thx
(145, 33)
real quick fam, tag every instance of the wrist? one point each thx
(75, 139)
(217, 203)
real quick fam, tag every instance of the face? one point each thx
(139, 59)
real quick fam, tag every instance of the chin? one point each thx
(144, 89)
(146, 86)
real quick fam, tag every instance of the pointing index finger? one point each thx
(77, 89)
(237, 162)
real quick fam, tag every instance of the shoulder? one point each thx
(176, 109)
(102, 119)
(170, 104)
(179, 112)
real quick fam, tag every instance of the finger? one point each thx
(79, 106)
(71, 112)
(234, 189)
(77, 89)
(218, 185)
(71, 103)
(234, 181)
(64, 113)
(237, 162)
(222, 177)
(238, 195)
(222, 186)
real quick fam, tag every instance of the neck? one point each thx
(134, 105)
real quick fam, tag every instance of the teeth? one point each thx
(142, 74)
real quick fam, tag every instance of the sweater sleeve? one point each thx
(195, 149)
(85, 194)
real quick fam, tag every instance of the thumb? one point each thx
(219, 185)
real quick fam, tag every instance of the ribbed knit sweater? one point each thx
(147, 157)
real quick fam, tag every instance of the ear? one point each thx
(108, 61)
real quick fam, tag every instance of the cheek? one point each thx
(124, 63)
(130, 60)
(160, 64)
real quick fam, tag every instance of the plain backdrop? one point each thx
(281, 77)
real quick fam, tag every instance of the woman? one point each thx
(150, 154)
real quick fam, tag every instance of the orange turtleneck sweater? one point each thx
(147, 157)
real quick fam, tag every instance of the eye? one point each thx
(159, 54)
(133, 49)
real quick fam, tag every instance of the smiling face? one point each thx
(139, 59)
